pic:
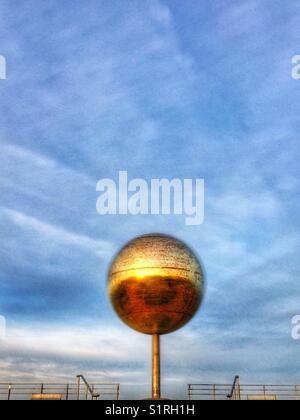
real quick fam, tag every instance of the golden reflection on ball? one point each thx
(156, 284)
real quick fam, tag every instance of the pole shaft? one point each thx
(156, 367)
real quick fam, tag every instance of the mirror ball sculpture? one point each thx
(156, 285)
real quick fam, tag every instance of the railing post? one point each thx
(189, 392)
(9, 392)
(239, 389)
(67, 393)
(118, 392)
(93, 389)
(78, 388)
(214, 392)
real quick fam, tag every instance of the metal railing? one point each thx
(270, 392)
(239, 391)
(81, 390)
(208, 391)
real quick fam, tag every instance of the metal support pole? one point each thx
(156, 367)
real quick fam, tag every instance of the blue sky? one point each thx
(160, 89)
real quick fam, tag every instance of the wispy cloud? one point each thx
(57, 234)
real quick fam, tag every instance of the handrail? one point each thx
(89, 389)
(235, 387)
(68, 391)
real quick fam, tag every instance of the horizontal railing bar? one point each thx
(54, 383)
(269, 386)
(248, 385)
(209, 384)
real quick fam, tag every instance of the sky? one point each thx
(161, 89)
